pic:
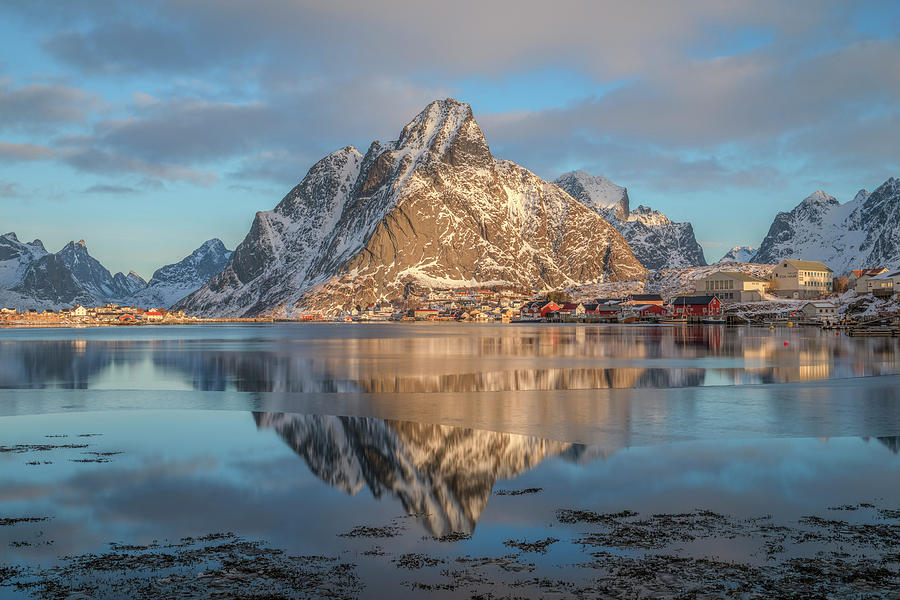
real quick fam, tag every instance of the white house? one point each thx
(884, 284)
(79, 311)
(820, 311)
(859, 277)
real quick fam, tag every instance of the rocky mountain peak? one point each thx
(820, 197)
(444, 130)
(597, 193)
(658, 242)
(432, 209)
(81, 243)
(862, 232)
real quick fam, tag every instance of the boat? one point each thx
(673, 321)
(713, 321)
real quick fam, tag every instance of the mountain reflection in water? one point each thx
(445, 474)
(398, 359)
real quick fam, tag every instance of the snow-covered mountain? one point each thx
(433, 208)
(864, 232)
(656, 241)
(739, 254)
(444, 473)
(171, 283)
(30, 277)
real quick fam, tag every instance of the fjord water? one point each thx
(295, 435)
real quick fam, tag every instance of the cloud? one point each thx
(9, 189)
(39, 106)
(23, 152)
(96, 160)
(118, 190)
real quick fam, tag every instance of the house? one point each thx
(153, 315)
(643, 299)
(801, 279)
(79, 311)
(732, 286)
(643, 312)
(421, 314)
(883, 284)
(571, 310)
(858, 278)
(825, 312)
(696, 307)
(535, 311)
(608, 310)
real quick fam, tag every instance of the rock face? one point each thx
(656, 241)
(171, 283)
(739, 254)
(445, 473)
(30, 277)
(864, 232)
(433, 208)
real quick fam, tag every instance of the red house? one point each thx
(696, 306)
(537, 310)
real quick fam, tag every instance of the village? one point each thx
(798, 291)
(107, 315)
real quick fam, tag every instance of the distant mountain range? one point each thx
(435, 208)
(864, 232)
(31, 277)
(656, 241)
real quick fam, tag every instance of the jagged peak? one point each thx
(595, 190)
(10, 236)
(444, 127)
(81, 243)
(213, 243)
(820, 197)
(861, 195)
(891, 184)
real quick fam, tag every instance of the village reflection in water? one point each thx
(501, 358)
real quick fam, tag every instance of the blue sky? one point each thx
(147, 128)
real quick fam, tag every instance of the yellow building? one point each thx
(801, 279)
(732, 286)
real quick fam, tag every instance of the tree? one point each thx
(841, 284)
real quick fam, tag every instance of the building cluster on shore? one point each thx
(110, 314)
(714, 295)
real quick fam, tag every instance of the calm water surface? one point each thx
(458, 441)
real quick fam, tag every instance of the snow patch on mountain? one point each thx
(738, 254)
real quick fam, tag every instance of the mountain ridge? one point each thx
(433, 207)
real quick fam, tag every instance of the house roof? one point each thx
(645, 297)
(886, 275)
(692, 300)
(571, 305)
(738, 275)
(874, 271)
(820, 305)
(809, 265)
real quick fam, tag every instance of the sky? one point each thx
(146, 128)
